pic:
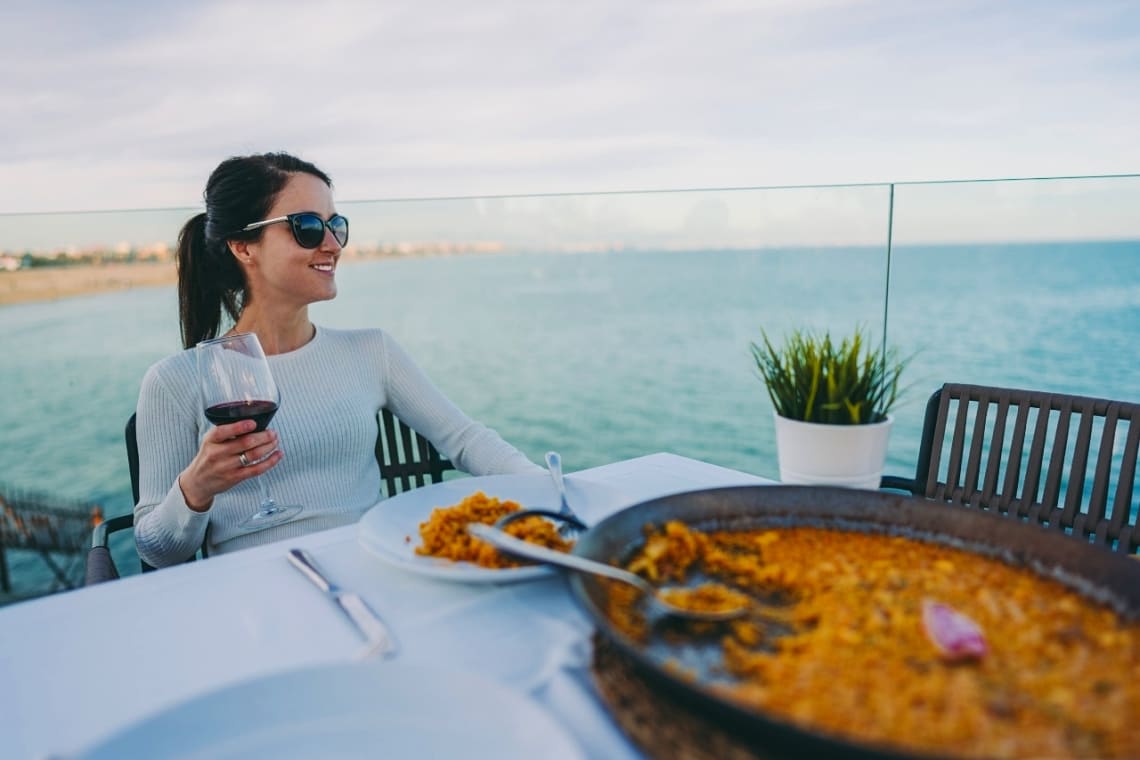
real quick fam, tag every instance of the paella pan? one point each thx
(776, 680)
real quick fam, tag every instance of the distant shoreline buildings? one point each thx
(126, 253)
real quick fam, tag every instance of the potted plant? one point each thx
(832, 404)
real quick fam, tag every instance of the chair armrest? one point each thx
(102, 532)
(100, 566)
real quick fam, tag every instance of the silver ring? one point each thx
(244, 462)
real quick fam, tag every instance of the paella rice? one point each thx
(1058, 675)
(444, 534)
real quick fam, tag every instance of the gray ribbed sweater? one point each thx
(331, 390)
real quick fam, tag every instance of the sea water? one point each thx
(606, 356)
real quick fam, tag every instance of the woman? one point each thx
(266, 247)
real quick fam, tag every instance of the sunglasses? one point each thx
(308, 228)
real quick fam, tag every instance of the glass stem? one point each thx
(268, 505)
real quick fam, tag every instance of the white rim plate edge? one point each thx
(347, 710)
(386, 528)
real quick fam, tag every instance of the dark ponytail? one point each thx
(241, 190)
(209, 279)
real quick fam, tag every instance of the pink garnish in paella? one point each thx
(956, 635)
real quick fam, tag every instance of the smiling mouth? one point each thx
(327, 268)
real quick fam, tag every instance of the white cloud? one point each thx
(130, 104)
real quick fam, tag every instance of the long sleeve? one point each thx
(471, 446)
(167, 531)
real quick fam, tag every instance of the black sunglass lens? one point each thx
(338, 225)
(308, 229)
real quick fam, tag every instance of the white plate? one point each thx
(348, 711)
(386, 528)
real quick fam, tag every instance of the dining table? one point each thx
(79, 666)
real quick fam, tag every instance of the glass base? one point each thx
(267, 518)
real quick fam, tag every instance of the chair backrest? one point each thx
(1018, 452)
(123, 522)
(405, 457)
(133, 457)
(407, 460)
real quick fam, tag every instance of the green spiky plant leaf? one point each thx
(812, 378)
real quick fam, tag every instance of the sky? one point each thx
(131, 104)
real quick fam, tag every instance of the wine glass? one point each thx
(237, 385)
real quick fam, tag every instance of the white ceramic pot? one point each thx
(832, 455)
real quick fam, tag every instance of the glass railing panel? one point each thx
(604, 326)
(71, 366)
(1027, 284)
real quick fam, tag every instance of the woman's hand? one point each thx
(221, 462)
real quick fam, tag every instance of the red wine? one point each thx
(260, 412)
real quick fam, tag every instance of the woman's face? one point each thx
(278, 269)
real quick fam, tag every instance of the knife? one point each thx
(375, 631)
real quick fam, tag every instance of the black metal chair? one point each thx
(1025, 450)
(407, 460)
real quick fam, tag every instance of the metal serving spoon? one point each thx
(519, 548)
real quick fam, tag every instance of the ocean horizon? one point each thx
(606, 356)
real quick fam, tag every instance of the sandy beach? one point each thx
(51, 283)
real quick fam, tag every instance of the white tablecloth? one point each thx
(78, 666)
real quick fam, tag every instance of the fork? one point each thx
(569, 524)
(554, 465)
